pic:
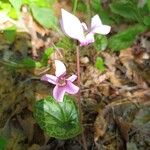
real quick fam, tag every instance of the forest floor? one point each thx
(115, 102)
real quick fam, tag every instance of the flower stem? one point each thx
(75, 6)
(79, 96)
(88, 3)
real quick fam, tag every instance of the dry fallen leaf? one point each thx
(133, 70)
(100, 126)
(124, 128)
(34, 147)
(114, 79)
(110, 61)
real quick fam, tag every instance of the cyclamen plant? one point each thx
(59, 115)
(73, 28)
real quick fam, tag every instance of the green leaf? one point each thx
(43, 3)
(5, 7)
(40, 3)
(58, 119)
(147, 20)
(148, 4)
(44, 16)
(16, 4)
(125, 38)
(100, 64)
(28, 63)
(13, 14)
(101, 42)
(8, 9)
(10, 34)
(46, 55)
(127, 10)
(3, 143)
(51, 2)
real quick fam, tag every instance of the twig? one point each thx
(79, 97)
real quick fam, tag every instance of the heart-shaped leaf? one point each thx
(59, 120)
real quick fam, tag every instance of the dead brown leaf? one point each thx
(34, 147)
(124, 128)
(133, 71)
(110, 61)
(100, 126)
(114, 79)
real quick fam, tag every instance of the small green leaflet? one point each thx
(100, 64)
(58, 119)
(101, 42)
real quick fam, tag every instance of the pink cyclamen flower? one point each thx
(62, 83)
(73, 28)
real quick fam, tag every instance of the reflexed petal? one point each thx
(72, 26)
(96, 21)
(103, 29)
(60, 68)
(98, 27)
(71, 88)
(50, 78)
(58, 93)
(72, 78)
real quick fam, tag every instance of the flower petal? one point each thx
(98, 27)
(59, 92)
(84, 26)
(96, 21)
(71, 88)
(60, 68)
(72, 78)
(72, 26)
(50, 78)
(89, 38)
(103, 29)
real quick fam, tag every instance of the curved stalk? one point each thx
(79, 97)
